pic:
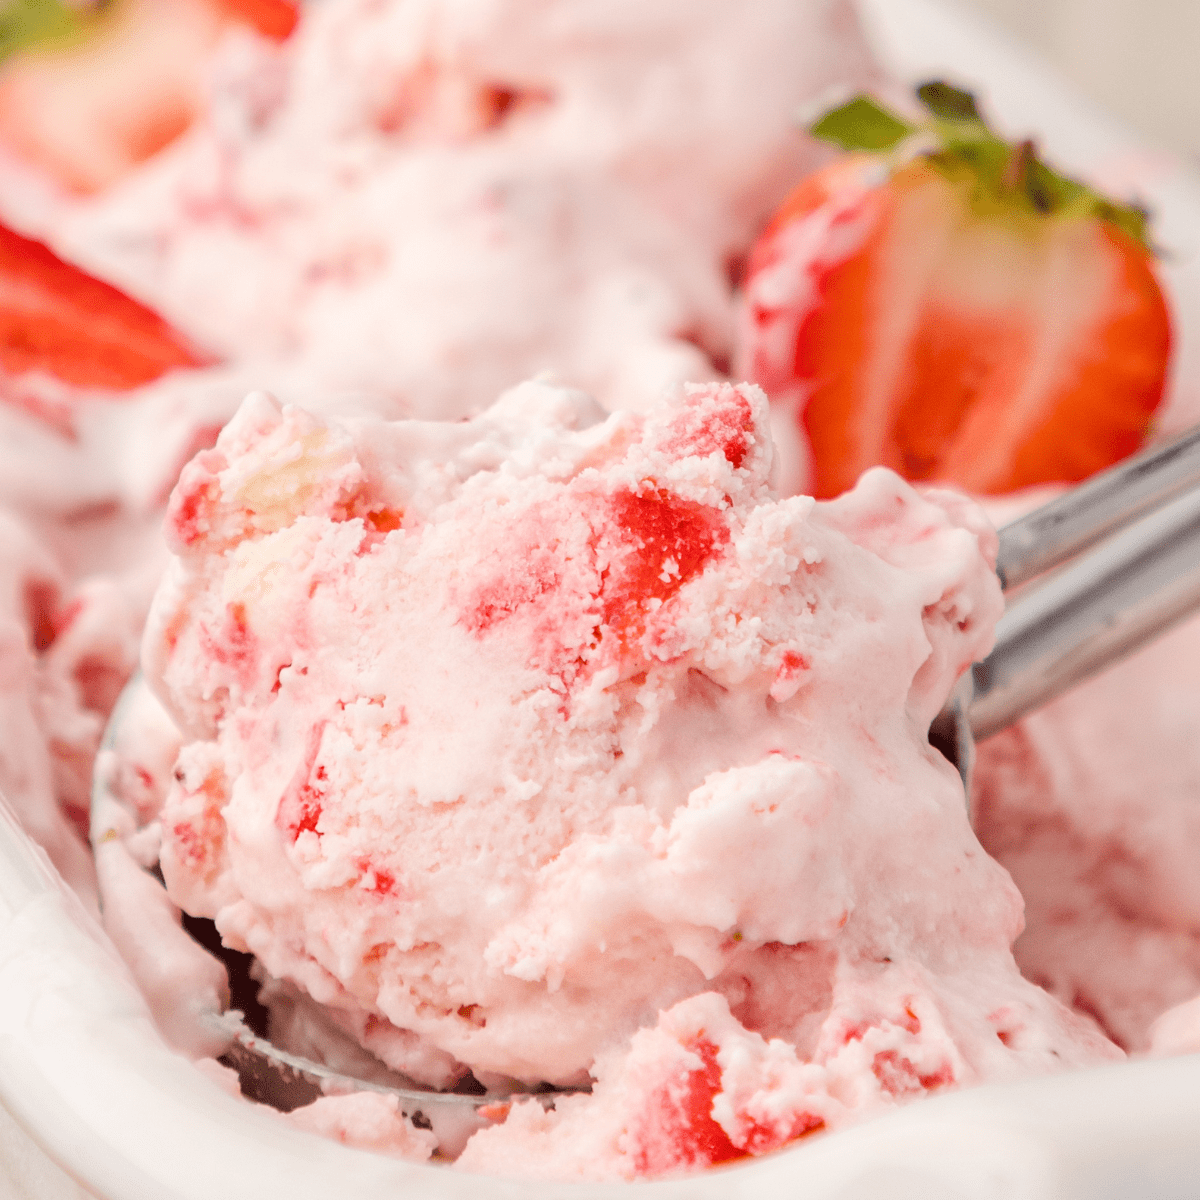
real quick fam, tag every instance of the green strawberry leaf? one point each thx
(999, 176)
(862, 124)
(27, 24)
(948, 102)
(1132, 219)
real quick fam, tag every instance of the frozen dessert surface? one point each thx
(545, 745)
(367, 1120)
(67, 646)
(1177, 1031)
(410, 206)
(36, 704)
(1091, 804)
(431, 201)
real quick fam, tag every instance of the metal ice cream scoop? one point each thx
(1126, 545)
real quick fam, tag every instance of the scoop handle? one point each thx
(1092, 612)
(1092, 511)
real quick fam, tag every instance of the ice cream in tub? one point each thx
(44, 915)
(813, 1143)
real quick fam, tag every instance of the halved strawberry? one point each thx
(965, 315)
(97, 89)
(56, 318)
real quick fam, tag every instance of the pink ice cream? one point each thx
(1091, 804)
(71, 616)
(427, 202)
(626, 778)
(549, 746)
(412, 205)
(405, 209)
(45, 729)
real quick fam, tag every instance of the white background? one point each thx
(1138, 59)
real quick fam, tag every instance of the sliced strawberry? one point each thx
(275, 19)
(56, 318)
(112, 84)
(968, 318)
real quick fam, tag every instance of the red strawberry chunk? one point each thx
(679, 1129)
(275, 19)
(667, 541)
(56, 318)
(300, 806)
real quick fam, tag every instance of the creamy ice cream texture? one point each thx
(498, 186)
(1120, 944)
(69, 639)
(530, 185)
(1090, 804)
(408, 207)
(546, 744)
(48, 736)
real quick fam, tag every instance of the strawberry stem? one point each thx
(1016, 169)
(862, 124)
(1001, 176)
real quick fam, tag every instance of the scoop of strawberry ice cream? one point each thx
(504, 736)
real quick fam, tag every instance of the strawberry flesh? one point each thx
(274, 19)
(900, 321)
(56, 318)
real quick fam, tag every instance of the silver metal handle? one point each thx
(1091, 613)
(1094, 510)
